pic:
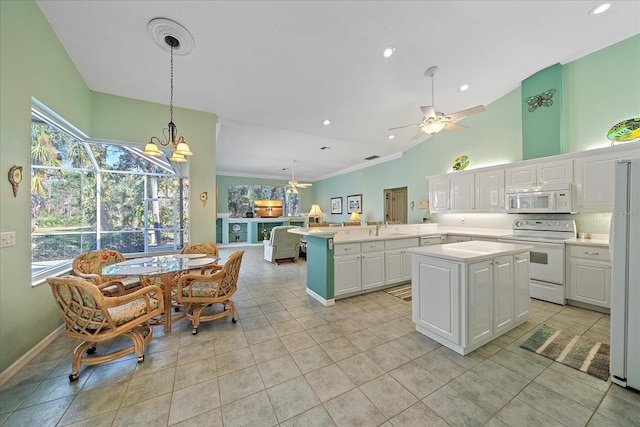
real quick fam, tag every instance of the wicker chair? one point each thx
(89, 266)
(209, 249)
(93, 317)
(198, 291)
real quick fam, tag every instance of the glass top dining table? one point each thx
(164, 267)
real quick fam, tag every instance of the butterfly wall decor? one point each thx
(541, 100)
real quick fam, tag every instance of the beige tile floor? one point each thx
(292, 362)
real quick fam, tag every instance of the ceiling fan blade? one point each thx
(464, 113)
(406, 126)
(418, 135)
(454, 126)
(304, 185)
(428, 111)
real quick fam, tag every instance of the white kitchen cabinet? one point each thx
(347, 269)
(548, 172)
(491, 298)
(595, 180)
(464, 305)
(372, 264)
(589, 275)
(462, 192)
(489, 188)
(439, 193)
(436, 297)
(522, 296)
(452, 238)
(358, 267)
(397, 260)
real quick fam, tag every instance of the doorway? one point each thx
(395, 205)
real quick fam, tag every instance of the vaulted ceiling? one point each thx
(274, 70)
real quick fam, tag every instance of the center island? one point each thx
(469, 293)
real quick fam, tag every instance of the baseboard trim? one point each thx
(8, 373)
(321, 300)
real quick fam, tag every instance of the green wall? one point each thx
(34, 64)
(600, 90)
(542, 128)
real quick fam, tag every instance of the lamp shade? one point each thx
(151, 149)
(315, 211)
(354, 216)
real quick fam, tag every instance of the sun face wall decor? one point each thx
(15, 178)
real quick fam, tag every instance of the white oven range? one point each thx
(547, 237)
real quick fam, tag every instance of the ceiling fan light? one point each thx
(151, 149)
(433, 128)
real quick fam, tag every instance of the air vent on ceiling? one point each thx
(371, 157)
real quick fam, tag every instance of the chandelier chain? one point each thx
(171, 85)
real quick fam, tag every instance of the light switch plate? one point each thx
(8, 239)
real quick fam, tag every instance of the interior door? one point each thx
(395, 204)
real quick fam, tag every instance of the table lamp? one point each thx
(354, 217)
(315, 212)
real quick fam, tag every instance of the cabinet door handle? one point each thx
(346, 249)
(591, 253)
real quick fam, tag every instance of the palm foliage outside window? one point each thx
(241, 199)
(87, 195)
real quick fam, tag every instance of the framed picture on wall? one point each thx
(336, 205)
(354, 203)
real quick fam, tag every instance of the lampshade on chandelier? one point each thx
(180, 147)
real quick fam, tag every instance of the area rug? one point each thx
(402, 292)
(578, 352)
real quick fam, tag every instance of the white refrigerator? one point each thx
(625, 285)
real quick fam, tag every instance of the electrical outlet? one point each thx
(8, 239)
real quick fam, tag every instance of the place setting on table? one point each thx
(163, 267)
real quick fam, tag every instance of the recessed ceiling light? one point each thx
(391, 136)
(464, 87)
(388, 51)
(600, 9)
(326, 122)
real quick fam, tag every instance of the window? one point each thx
(87, 195)
(241, 199)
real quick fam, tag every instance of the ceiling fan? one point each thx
(293, 186)
(435, 121)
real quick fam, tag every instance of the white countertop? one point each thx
(392, 232)
(470, 251)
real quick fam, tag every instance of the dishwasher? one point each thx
(430, 240)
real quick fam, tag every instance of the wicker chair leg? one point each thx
(232, 308)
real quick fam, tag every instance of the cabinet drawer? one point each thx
(402, 243)
(600, 253)
(346, 249)
(375, 246)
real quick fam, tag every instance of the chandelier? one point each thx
(179, 145)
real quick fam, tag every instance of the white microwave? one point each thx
(550, 198)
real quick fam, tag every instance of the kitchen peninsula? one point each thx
(347, 261)
(469, 293)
